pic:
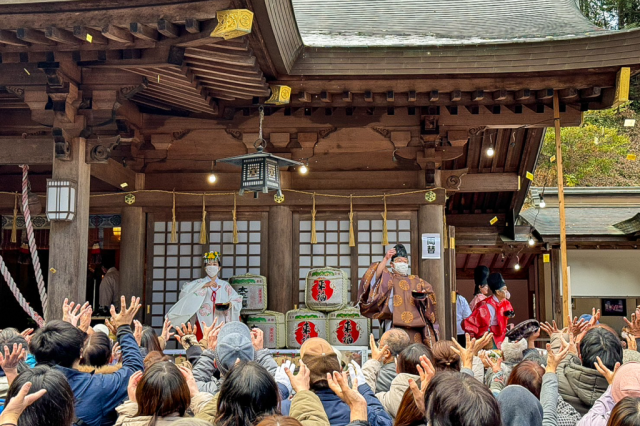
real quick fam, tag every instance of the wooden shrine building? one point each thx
(434, 116)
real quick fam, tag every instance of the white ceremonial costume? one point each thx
(196, 299)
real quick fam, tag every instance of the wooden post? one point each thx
(132, 252)
(431, 220)
(566, 289)
(280, 258)
(69, 241)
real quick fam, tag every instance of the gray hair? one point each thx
(396, 339)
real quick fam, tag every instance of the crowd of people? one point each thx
(69, 373)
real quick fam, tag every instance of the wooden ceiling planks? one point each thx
(228, 72)
(170, 85)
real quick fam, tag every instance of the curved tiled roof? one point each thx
(359, 23)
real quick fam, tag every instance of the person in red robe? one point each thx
(491, 314)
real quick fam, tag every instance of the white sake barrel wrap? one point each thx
(348, 328)
(272, 325)
(327, 289)
(253, 289)
(303, 324)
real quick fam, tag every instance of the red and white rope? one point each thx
(16, 293)
(33, 248)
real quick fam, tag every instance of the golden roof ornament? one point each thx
(280, 95)
(129, 199)
(233, 23)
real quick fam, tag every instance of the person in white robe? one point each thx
(207, 298)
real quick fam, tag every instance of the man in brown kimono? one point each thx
(399, 300)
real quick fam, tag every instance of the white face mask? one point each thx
(401, 268)
(211, 270)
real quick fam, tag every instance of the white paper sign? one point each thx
(431, 247)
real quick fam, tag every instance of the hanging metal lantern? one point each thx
(260, 170)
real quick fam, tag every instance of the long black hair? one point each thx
(248, 393)
(55, 407)
(150, 340)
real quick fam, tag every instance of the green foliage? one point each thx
(594, 154)
(612, 14)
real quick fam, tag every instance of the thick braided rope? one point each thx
(16, 293)
(33, 248)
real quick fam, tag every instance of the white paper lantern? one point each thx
(61, 199)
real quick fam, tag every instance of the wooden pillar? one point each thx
(566, 288)
(556, 283)
(132, 252)
(69, 241)
(280, 259)
(431, 220)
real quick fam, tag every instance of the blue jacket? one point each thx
(339, 413)
(98, 395)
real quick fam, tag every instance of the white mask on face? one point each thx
(401, 268)
(211, 271)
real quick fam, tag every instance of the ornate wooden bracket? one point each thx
(451, 179)
(233, 23)
(236, 134)
(16, 91)
(99, 150)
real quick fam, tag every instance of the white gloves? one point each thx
(282, 378)
(355, 371)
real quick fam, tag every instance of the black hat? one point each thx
(480, 275)
(495, 281)
(523, 330)
(400, 252)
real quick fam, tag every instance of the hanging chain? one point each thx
(260, 144)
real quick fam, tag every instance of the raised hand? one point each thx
(631, 342)
(549, 328)
(495, 366)
(134, 380)
(116, 352)
(390, 254)
(472, 348)
(578, 327)
(137, 331)
(282, 375)
(339, 384)
(426, 372)
(9, 362)
(212, 338)
(19, 403)
(166, 331)
(126, 315)
(85, 319)
(377, 353)
(185, 330)
(257, 339)
(608, 374)
(554, 359)
(207, 330)
(299, 382)
(71, 314)
(191, 381)
(111, 326)
(27, 334)
(634, 324)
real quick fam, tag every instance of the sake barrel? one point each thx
(303, 324)
(253, 289)
(272, 325)
(327, 289)
(347, 327)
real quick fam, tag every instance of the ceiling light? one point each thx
(490, 151)
(532, 242)
(212, 178)
(517, 267)
(303, 169)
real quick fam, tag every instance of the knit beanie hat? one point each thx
(519, 407)
(234, 342)
(626, 382)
